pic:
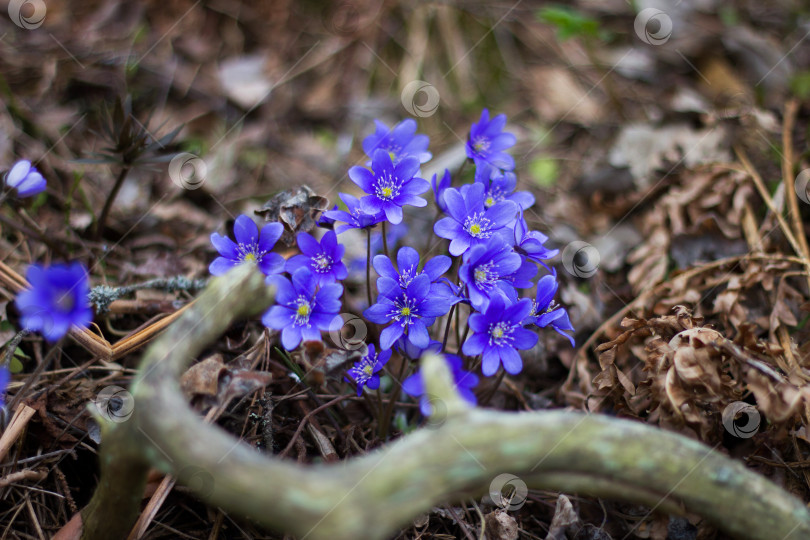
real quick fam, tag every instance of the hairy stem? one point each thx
(368, 265)
(385, 240)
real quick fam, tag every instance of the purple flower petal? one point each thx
(269, 235)
(221, 265)
(363, 178)
(389, 335)
(225, 246)
(245, 230)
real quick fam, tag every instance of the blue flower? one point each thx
(530, 243)
(250, 246)
(400, 142)
(522, 279)
(408, 264)
(545, 311)
(487, 142)
(485, 271)
(412, 352)
(355, 218)
(389, 186)
(411, 311)
(57, 300)
(498, 334)
(25, 179)
(464, 381)
(470, 223)
(326, 222)
(439, 189)
(501, 187)
(323, 258)
(364, 371)
(301, 311)
(5, 378)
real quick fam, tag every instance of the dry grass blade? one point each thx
(763, 191)
(19, 421)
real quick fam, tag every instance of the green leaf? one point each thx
(800, 84)
(295, 368)
(15, 366)
(569, 23)
(544, 171)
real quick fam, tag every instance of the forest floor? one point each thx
(667, 151)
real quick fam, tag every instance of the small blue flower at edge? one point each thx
(302, 310)
(25, 179)
(464, 381)
(57, 300)
(5, 378)
(498, 334)
(250, 246)
(365, 371)
(324, 258)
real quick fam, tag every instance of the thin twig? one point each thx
(763, 192)
(98, 230)
(304, 421)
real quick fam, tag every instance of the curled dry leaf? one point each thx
(296, 208)
(565, 517)
(500, 526)
(212, 382)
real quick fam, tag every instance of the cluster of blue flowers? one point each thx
(493, 256)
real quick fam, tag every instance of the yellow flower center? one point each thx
(405, 311)
(303, 310)
(490, 201)
(368, 370)
(480, 275)
(392, 155)
(475, 229)
(497, 332)
(250, 257)
(387, 192)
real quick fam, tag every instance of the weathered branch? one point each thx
(459, 455)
